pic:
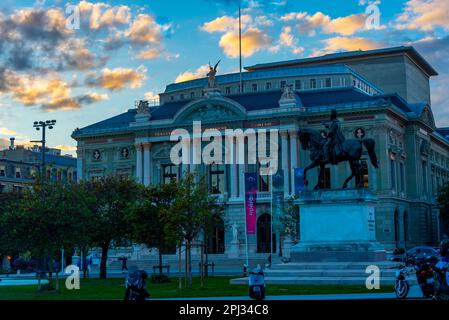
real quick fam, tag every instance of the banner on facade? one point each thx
(250, 202)
(299, 180)
(277, 200)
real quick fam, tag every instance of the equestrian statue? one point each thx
(332, 147)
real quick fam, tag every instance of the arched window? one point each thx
(215, 238)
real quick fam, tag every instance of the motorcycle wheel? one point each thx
(401, 289)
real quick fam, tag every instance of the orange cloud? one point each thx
(252, 41)
(424, 15)
(118, 78)
(100, 15)
(200, 72)
(226, 23)
(144, 30)
(149, 54)
(338, 44)
(308, 24)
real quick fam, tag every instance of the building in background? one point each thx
(380, 94)
(19, 166)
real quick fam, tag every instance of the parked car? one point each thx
(425, 251)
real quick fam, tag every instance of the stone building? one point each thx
(384, 92)
(19, 166)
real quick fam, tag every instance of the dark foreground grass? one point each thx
(113, 289)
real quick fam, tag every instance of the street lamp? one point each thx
(43, 125)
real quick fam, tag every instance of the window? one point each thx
(328, 82)
(192, 95)
(172, 98)
(228, 90)
(283, 83)
(182, 96)
(268, 86)
(313, 83)
(217, 179)
(402, 176)
(298, 84)
(254, 87)
(424, 176)
(393, 174)
(264, 183)
(169, 173)
(2, 171)
(18, 173)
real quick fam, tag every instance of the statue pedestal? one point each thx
(337, 225)
(233, 249)
(287, 247)
(212, 92)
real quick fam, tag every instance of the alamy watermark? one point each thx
(73, 279)
(190, 149)
(373, 280)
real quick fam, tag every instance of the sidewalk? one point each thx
(415, 293)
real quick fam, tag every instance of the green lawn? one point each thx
(113, 289)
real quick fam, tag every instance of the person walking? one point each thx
(124, 263)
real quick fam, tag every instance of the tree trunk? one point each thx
(186, 263)
(104, 259)
(179, 268)
(57, 281)
(160, 261)
(190, 265)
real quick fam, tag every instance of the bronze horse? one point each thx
(313, 141)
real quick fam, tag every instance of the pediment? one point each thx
(427, 117)
(210, 111)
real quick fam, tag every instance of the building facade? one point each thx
(383, 93)
(19, 166)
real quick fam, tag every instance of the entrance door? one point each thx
(215, 240)
(263, 234)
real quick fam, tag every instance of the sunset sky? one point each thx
(124, 51)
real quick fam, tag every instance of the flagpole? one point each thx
(246, 224)
(271, 220)
(240, 49)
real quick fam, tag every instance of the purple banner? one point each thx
(250, 202)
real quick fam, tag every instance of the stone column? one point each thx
(284, 155)
(147, 164)
(293, 157)
(139, 171)
(79, 164)
(234, 171)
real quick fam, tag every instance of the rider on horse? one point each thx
(335, 138)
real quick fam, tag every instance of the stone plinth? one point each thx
(212, 92)
(233, 249)
(338, 225)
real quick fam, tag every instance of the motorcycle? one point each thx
(135, 285)
(442, 280)
(422, 266)
(257, 284)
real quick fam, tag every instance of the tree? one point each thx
(146, 217)
(48, 217)
(113, 195)
(290, 220)
(192, 207)
(443, 203)
(9, 203)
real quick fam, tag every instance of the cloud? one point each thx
(145, 30)
(337, 44)
(149, 54)
(65, 148)
(7, 132)
(253, 40)
(200, 72)
(118, 78)
(425, 15)
(101, 15)
(309, 24)
(226, 23)
(152, 97)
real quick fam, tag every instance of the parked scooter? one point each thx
(442, 273)
(257, 284)
(136, 286)
(422, 266)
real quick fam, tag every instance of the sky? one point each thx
(80, 62)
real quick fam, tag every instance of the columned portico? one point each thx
(139, 169)
(284, 155)
(293, 158)
(147, 163)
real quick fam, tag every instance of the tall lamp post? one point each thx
(43, 125)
